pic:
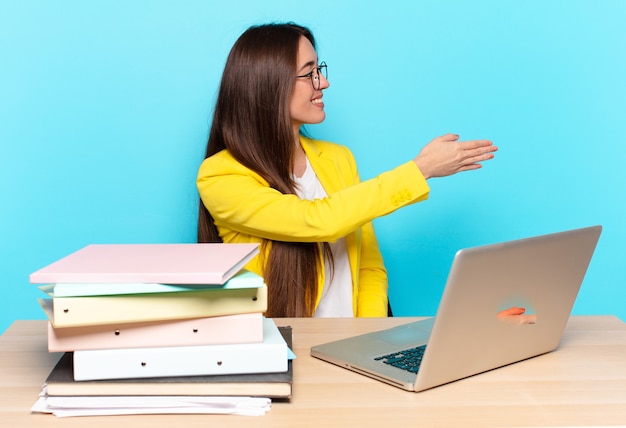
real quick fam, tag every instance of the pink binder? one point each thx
(158, 263)
(229, 329)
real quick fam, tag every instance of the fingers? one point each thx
(477, 151)
(478, 156)
(474, 144)
(447, 137)
(470, 144)
(446, 155)
(477, 147)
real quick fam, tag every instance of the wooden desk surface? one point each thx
(582, 383)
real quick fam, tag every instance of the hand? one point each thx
(446, 155)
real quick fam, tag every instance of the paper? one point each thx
(102, 406)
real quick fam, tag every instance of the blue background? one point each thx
(105, 108)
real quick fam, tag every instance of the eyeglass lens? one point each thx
(315, 75)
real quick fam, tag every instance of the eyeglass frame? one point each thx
(315, 74)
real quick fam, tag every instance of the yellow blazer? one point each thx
(246, 209)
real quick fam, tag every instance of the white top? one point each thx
(336, 298)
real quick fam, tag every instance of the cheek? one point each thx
(299, 105)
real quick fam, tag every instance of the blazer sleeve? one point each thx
(242, 201)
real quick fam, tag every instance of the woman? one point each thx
(301, 199)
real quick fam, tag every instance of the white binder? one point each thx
(269, 356)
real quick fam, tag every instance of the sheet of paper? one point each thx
(100, 406)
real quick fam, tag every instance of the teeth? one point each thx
(316, 101)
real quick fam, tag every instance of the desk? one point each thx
(582, 383)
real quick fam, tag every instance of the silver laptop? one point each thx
(502, 303)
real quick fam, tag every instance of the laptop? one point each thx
(502, 303)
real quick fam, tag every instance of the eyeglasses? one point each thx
(314, 75)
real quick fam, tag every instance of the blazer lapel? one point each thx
(324, 167)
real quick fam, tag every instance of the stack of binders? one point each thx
(162, 319)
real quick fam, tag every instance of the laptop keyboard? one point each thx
(409, 359)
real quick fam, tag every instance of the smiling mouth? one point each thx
(317, 101)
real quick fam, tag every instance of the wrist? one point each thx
(422, 167)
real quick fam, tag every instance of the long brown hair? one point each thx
(251, 120)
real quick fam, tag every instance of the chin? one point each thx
(311, 119)
(317, 120)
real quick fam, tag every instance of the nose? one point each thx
(324, 83)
